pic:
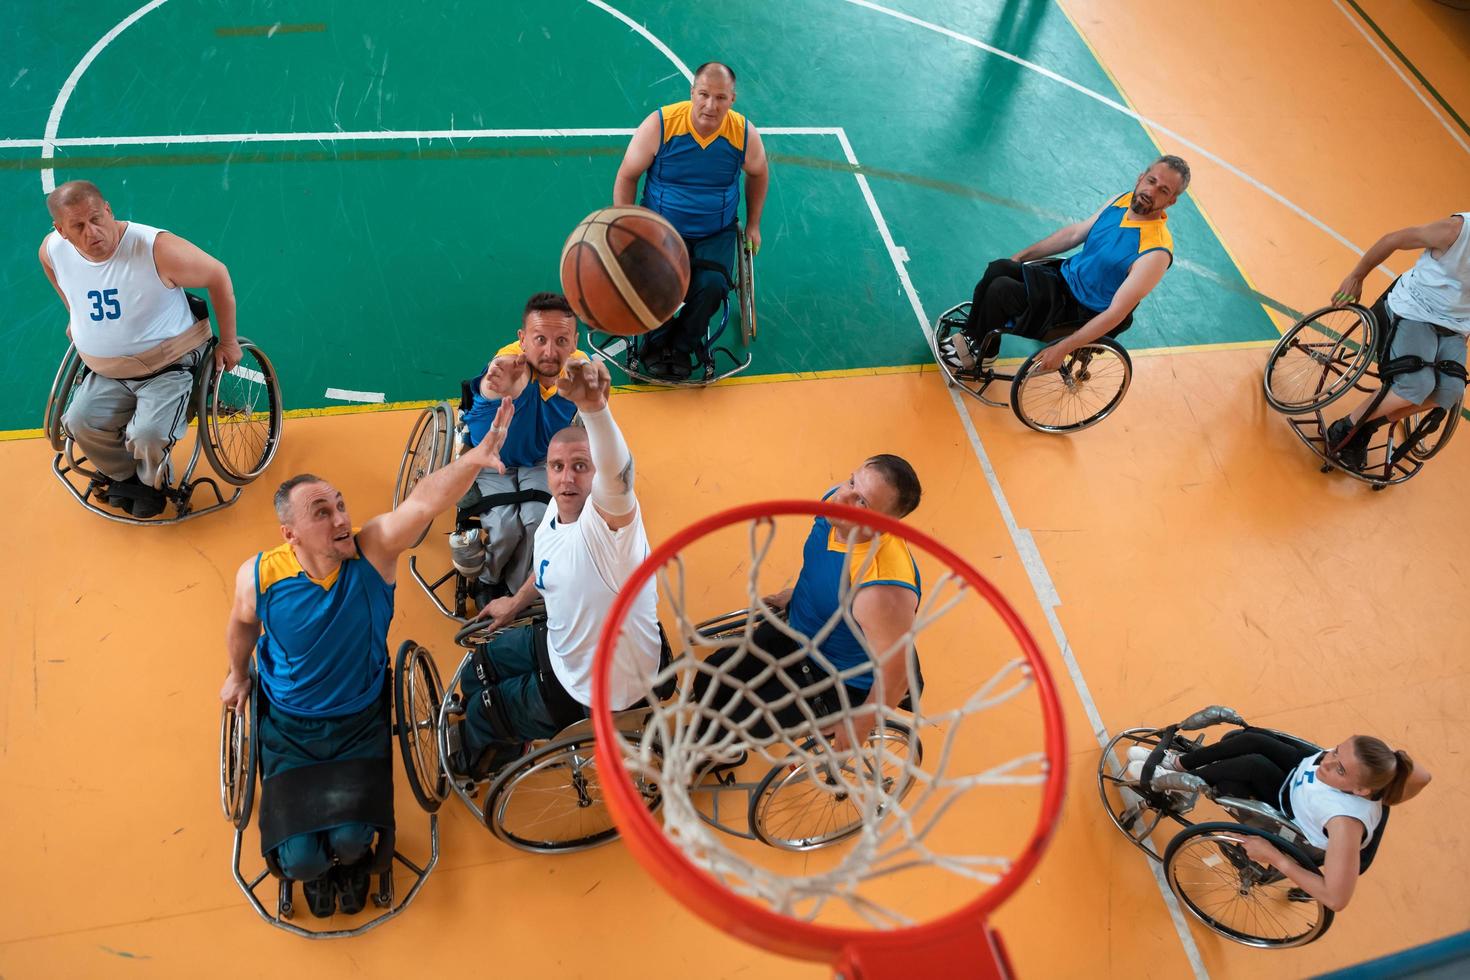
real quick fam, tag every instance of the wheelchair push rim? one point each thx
(1140, 827)
(416, 706)
(237, 762)
(746, 286)
(429, 448)
(1320, 359)
(551, 800)
(68, 377)
(1086, 389)
(239, 413)
(1208, 871)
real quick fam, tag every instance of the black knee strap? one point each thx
(1453, 368)
(329, 794)
(1405, 364)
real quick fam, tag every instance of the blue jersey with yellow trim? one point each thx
(695, 181)
(818, 591)
(1114, 243)
(324, 644)
(540, 414)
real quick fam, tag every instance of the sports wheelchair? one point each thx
(438, 436)
(416, 695)
(1091, 382)
(1334, 350)
(1205, 864)
(239, 430)
(790, 806)
(626, 352)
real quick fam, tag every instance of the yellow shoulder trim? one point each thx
(734, 130)
(676, 119)
(1154, 234)
(514, 347)
(280, 564)
(893, 563)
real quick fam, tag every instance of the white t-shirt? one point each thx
(1314, 803)
(118, 307)
(579, 569)
(1437, 290)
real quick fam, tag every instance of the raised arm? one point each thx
(1437, 236)
(757, 180)
(1145, 274)
(387, 536)
(182, 263)
(241, 633)
(1059, 241)
(641, 151)
(586, 385)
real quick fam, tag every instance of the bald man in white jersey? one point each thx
(123, 285)
(532, 681)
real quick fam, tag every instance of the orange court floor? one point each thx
(1197, 554)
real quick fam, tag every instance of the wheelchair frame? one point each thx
(1247, 818)
(203, 413)
(240, 763)
(1405, 446)
(1074, 374)
(624, 351)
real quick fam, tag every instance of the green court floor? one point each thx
(393, 265)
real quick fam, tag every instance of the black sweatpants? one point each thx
(1249, 764)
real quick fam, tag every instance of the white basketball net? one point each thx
(899, 805)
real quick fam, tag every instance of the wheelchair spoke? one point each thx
(1318, 360)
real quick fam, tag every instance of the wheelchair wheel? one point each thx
(1134, 819)
(745, 284)
(239, 414)
(1431, 444)
(801, 805)
(418, 694)
(1092, 381)
(551, 800)
(237, 763)
(1208, 871)
(68, 377)
(1320, 359)
(430, 447)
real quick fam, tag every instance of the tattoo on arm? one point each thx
(626, 476)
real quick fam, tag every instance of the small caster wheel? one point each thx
(1379, 486)
(1326, 469)
(285, 904)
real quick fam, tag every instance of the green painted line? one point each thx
(270, 30)
(1443, 103)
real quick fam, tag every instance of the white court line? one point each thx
(347, 395)
(247, 373)
(329, 136)
(683, 68)
(1397, 70)
(53, 119)
(1023, 541)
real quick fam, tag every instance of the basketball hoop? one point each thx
(906, 851)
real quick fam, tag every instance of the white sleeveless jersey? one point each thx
(579, 569)
(1437, 290)
(1314, 803)
(118, 307)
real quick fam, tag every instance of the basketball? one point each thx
(625, 270)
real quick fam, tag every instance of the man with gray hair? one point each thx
(315, 612)
(123, 285)
(1126, 249)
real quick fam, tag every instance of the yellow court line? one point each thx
(1199, 206)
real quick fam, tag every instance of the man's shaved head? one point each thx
(571, 434)
(718, 67)
(70, 193)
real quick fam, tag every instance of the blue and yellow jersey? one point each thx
(324, 643)
(694, 181)
(540, 414)
(818, 591)
(1114, 243)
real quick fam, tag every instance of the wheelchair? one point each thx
(791, 806)
(238, 415)
(1205, 865)
(1087, 389)
(626, 352)
(437, 438)
(549, 801)
(1335, 350)
(416, 695)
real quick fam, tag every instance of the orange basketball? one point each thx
(625, 270)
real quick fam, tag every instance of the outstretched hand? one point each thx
(507, 375)
(586, 385)
(487, 453)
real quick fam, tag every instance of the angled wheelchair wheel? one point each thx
(807, 804)
(1208, 871)
(237, 763)
(418, 693)
(745, 284)
(1320, 359)
(551, 800)
(1426, 448)
(430, 447)
(1086, 389)
(1133, 817)
(68, 377)
(240, 414)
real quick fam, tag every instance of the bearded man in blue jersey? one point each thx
(1126, 249)
(693, 153)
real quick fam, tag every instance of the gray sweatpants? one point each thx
(1432, 343)
(510, 529)
(127, 427)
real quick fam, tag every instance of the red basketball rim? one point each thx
(740, 916)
